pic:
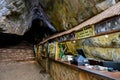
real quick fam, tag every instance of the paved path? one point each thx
(29, 70)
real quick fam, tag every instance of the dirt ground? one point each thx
(29, 70)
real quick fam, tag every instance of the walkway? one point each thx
(18, 63)
(29, 70)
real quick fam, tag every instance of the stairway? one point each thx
(21, 52)
(18, 63)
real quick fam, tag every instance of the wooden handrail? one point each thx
(110, 12)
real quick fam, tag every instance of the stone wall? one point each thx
(60, 71)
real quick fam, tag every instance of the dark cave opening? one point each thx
(34, 35)
(37, 32)
(40, 28)
(7, 39)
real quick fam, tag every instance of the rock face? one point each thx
(13, 17)
(16, 16)
(66, 14)
(102, 47)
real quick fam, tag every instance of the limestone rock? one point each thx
(105, 4)
(115, 42)
(98, 53)
(13, 17)
(103, 48)
(65, 14)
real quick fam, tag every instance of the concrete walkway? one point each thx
(29, 70)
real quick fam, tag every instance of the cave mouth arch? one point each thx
(37, 32)
(40, 26)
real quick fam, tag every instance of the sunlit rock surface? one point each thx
(13, 17)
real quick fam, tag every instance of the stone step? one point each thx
(20, 52)
(16, 55)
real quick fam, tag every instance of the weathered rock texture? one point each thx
(15, 15)
(66, 14)
(102, 47)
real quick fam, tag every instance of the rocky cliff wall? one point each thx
(65, 14)
(15, 15)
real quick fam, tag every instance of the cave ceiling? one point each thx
(65, 14)
(16, 18)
